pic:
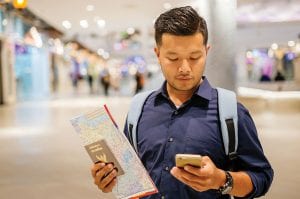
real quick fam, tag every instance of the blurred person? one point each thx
(279, 76)
(105, 80)
(140, 81)
(91, 72)
(54, 73)
(185, 109)
(115, 82)
(288, 64)
(265, 78)
(75, 71)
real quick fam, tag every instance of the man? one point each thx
(182, 117)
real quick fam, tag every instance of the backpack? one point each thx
(227, 106)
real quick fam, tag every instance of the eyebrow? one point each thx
(174, 53)
(196, 52)
(171, 53)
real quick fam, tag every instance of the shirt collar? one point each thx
(204, 91)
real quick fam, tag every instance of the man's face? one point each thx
(182, 60)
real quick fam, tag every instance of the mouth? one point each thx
(183, 77)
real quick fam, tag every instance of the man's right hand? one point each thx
(104, 176)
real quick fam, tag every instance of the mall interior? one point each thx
(60, 59)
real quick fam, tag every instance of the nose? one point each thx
(185, 66)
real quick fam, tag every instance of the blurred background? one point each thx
(59, 59)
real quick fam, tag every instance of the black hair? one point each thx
(181, 21)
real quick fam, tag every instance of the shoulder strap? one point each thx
(227, 105)
(133, 116)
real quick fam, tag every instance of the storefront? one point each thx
(32, 72)
(272, 64)
(25, 57)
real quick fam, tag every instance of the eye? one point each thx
(172, 59)
(194, 58)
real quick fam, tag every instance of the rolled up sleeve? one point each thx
(251, 158)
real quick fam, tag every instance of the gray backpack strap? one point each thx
(133, 116)
(227, 105)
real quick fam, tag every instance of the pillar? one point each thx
(221, 22)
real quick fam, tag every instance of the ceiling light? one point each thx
(4, 22)
(101, 23)
(20, 4)
(84, 23)
(90, 8)
(36, 37)
(105, 55)
(249, 54)
(167, 5)
(66, 24)
(291, 43)
(130, 31)
(274, 46)
(100, 51)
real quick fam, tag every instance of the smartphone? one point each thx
(188, 159)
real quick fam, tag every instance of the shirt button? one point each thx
(167, 168)
(175, 112)
(171, 139)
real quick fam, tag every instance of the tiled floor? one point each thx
(41, 156)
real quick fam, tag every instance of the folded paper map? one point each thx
(104, 142)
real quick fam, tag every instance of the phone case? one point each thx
(188, 159)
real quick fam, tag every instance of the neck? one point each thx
(178, 97)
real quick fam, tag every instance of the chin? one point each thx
(184, 88)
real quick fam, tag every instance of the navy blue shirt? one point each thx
(164, 130)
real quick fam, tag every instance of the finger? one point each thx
(184, 175)
(193, 179)
(108, 179)
(203, 172)
(188, 178)
(196, 185)
(205, 160)
(110, 186)
(96, 167)
(102, 172)
(193, 170)
(105, 170)
(206, 170)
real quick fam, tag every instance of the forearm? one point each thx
(242, 184)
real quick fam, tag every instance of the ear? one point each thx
(156, 50)
(207, 48)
